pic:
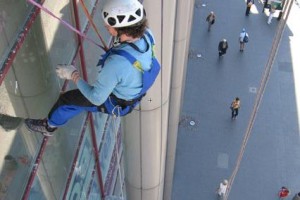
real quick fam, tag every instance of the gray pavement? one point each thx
(207, 152)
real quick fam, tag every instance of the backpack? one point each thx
(246, 38)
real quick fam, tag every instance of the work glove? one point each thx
(65, 71)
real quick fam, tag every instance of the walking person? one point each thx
(221, 191)
(265, 6)
(283, 192)
(243, 38)
(223, 46)
(271, 14)
(249, 3)
(235, 106)
(210, 20)
(120, 85)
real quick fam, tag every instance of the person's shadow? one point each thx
(9, 123)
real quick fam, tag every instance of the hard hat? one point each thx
(244, 30)
(122, 13)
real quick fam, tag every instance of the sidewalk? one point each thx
(208, 151)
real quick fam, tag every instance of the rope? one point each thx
(65, 23)
(115, 130)
(86, 12)
(258, 99)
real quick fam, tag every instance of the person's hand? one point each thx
(65, 71)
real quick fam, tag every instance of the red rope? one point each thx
(86, 12)
(65, 23)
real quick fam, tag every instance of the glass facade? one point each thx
(63, 166)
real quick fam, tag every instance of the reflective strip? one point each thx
(137, 64)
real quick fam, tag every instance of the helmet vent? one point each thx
(123, 13)
(138, 12)
(111, 21)
(131, 18)
(121, 18)
(105, 14)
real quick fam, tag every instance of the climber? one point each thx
(129, 69)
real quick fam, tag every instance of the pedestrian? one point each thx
(297, 196)
(221, 191)
(283, 192)
(235, 105)
(121, 83)
(265, 6)
(223, 46)
(249, 3)
(243, 38)
(271, 14)
(210, 20)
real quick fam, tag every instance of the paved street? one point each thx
(208, 151)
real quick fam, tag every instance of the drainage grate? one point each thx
(252, 90)
(194, 54)
(189, 122)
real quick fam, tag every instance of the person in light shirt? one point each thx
(128, 70)
(222, 189)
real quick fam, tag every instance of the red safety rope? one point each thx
(86, 12)
(65, 23)
(18, 42)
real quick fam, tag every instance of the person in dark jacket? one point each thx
(249, 3)
(223, 46)
(210, 20)
(265, 6)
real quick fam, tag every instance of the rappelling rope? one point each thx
(86, 12)
(115, 118)
(66, 24)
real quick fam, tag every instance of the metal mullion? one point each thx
(92, 126)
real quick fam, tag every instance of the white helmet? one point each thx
(122, 13)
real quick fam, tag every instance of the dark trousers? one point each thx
(234, 112)
(68, 105)
(248, 10)
(265, 5)
(222, 52)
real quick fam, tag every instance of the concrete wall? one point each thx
(146, 129)
(184, 17)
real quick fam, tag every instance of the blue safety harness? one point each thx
(120, 107)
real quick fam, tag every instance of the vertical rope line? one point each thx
(141, 152)
(161, 104)
(115, 130)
